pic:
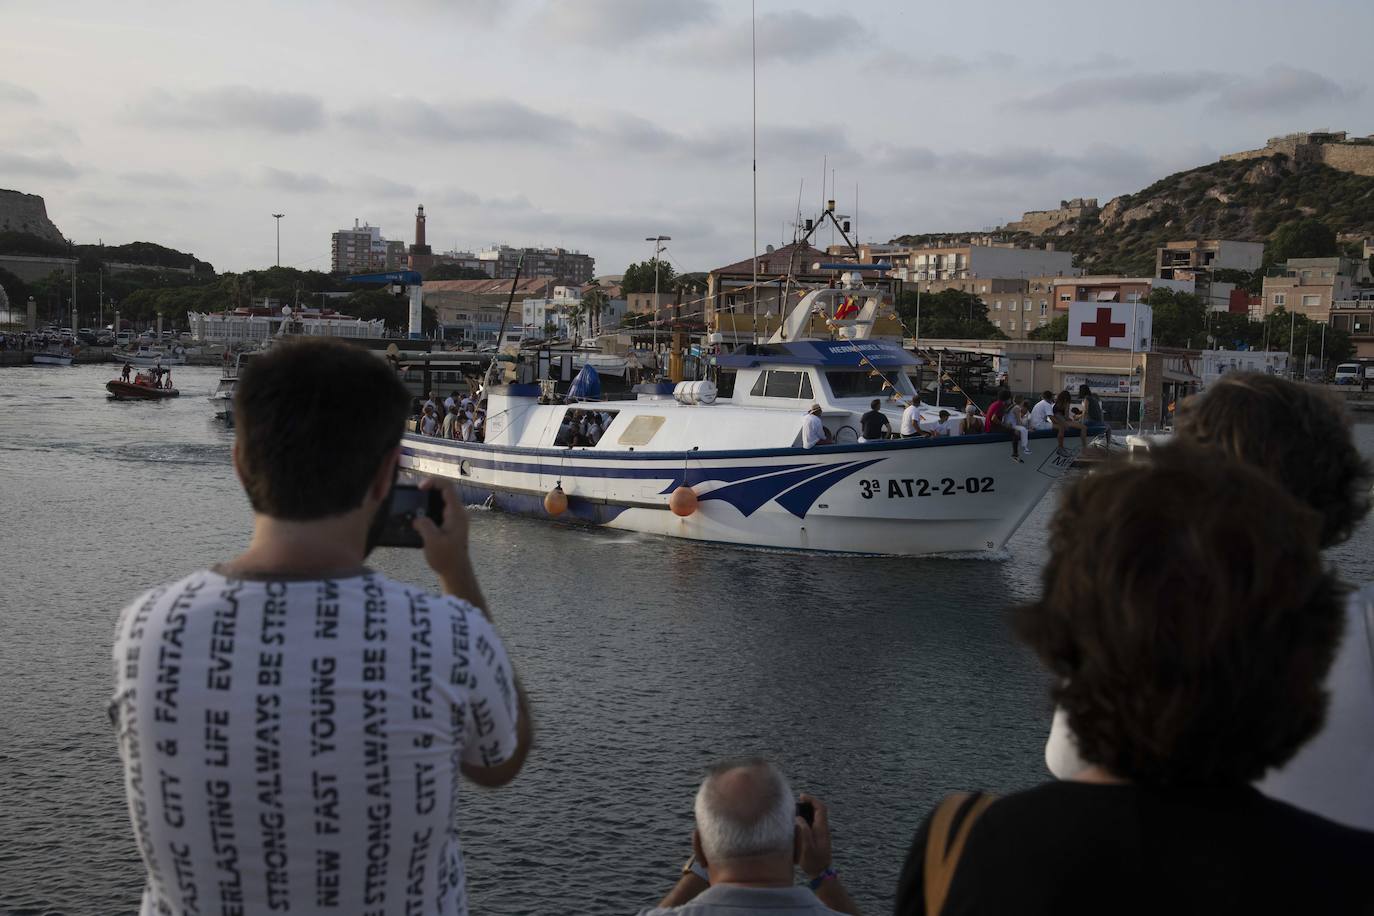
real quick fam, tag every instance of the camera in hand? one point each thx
(806, 811)
(407, 503)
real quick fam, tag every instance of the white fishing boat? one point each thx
(53, 357)
(145, 356)
(223, 395)
(681, 462)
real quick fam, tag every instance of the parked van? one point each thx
(1348, 374)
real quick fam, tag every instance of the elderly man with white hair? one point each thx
(751, 835)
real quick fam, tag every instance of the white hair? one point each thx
(751, 814)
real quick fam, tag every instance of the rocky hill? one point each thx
(1245, 200)
(27, 214)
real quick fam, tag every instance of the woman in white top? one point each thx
(1300, 435)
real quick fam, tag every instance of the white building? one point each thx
(963, 262)
(257, 325)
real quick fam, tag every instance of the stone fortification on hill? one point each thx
(21, 212)
(1333, 148)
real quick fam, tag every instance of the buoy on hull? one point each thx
(556, 501)
(683, 501)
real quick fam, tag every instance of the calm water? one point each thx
(877, 684)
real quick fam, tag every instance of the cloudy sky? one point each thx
(591, 124)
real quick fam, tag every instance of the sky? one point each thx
(592, 124)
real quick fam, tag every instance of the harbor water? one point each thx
(877, 684)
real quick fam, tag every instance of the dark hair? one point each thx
(1003, 394)
(1297, 433)
(1084, 390)
(1047, 395)
(875, 404)
(314, 419)
(944, 415)
(1187, 619)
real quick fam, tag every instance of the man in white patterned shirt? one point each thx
(294, 726)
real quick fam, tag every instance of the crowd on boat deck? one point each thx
(582, 427)
(455, 417)
(1211, 681)
(1015, 419)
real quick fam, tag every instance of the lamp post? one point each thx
(277, 217)
(658, 241)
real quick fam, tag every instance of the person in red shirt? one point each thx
(998, 420)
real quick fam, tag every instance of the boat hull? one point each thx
(49, 359)
(901, 497)
(127, 391)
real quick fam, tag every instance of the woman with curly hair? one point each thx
(1189, 624)
(1299, 435)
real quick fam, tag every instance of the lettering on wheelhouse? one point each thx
(917, 487)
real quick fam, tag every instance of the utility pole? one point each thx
(277, 217)
(658, 241)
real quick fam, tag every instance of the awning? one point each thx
(1107, 297)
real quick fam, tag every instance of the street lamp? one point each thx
(277, 217)
(658, 241)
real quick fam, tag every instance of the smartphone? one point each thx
(806, 811)
(407, 503)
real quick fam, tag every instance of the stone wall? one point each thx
(21, 212)
(1346, 156)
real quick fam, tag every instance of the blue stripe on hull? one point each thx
(532, 504)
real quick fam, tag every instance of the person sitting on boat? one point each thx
(946, 426)
(1042, 411)
(972, 422)
(1062, 419)
(911, 418)
(126, 372)
(813, 432)
(1187, 623)
(874, 425)
(998, 420)
(567, 430)
(751, 836)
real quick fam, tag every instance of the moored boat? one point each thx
(52, 359)
(151, 356)
(683, 462)
(142, 388)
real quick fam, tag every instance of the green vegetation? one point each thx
(455, 272)
(948, 314)
(1057, 329)
(639, 278)
(1302, 238)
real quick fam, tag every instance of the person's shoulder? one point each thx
(191, 583)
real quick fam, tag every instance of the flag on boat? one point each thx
(1108, 324)
(848, 308)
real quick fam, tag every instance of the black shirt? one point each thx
(873, 423)
(1073, 847)
(1093, 408)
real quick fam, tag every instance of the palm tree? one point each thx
(595, 302)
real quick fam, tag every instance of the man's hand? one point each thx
(446, 546)
(815, 838)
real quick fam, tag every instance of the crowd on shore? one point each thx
(32, 341)
(294, 727)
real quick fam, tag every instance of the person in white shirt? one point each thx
(1042, 411)
(450, 400)
(911, 418)
(1020, 422)
(295, 727)
(946, 426)
(813, 431)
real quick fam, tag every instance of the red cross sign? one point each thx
(1103, 329)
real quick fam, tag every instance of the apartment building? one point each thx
(1068, 290)
(1194, 259)
(358, 250)
(568, 267)
(1309, 286)
(969, 261)
(1355, 316)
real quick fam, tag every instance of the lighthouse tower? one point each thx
(421, 256)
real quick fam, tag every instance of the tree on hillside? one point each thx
(948, 314)
(1057, 329)
(1180, 319)
(1303, 238)
(455, 272)
(639, 278)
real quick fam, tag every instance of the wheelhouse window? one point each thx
(782, 384)
(862, 385)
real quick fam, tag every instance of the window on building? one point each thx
(1280, 299)
(1044, 321)
(1311, 302)
(1026, 306)
(1066, 297)
(1044, 306)
(997, 322)
(997, 305)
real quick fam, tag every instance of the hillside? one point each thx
(1243, 200)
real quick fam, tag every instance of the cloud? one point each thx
(1020, 163)
(1283, 88)
(36, 166)
(157, 180)
(230, 108)
(789, 36)
(1134, 89)
(470, 122)
(16, 94)
(294, 182)
(382, 187)
(618, 21)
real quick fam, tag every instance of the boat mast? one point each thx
(754, 61)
